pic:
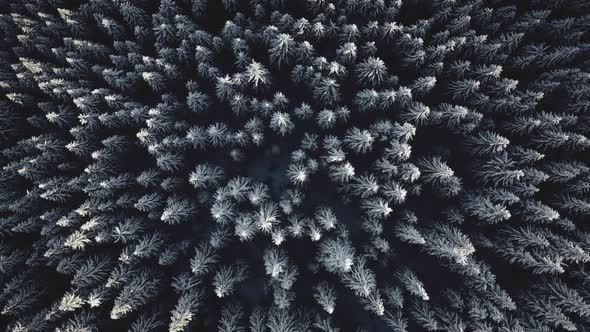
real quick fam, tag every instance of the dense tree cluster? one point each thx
(292, 166)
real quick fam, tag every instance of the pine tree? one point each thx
(275, 262)
(185, 310)
(325, 295)
(485, 210)
(424, 316)
(257, 75)
(566, 298)
(372, 72)
(135, 294)
(231, 315)
(282, 50)
(177, 210)
(487, 143)
(226, 279)
(373, 303)
(359, 140)
(364, 186)
(281, 122)
(204, 259)
(360, 279)
(412, 284)
(337, 255)
(258, 320)
(327, 91)
(206, 175)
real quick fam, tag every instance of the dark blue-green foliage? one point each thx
(294, 166)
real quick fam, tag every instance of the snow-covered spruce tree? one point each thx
(281, 165)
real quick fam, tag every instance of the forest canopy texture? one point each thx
(294, 166)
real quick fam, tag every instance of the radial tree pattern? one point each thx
(294, 166)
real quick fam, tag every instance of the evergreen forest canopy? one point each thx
(294, 166)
